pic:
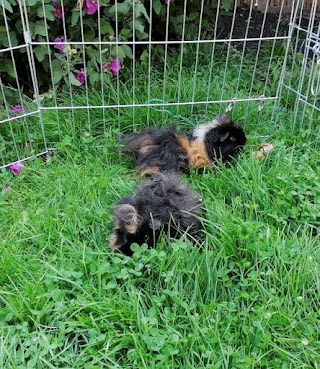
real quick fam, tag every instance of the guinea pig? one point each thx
(162, 204)
(157, 150)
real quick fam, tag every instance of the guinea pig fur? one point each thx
(161, 204)
(157, 150)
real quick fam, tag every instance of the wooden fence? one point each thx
(274, 6)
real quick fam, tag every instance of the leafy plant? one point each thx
(67, 21)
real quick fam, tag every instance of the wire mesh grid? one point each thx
(83, 57)
(301, 79)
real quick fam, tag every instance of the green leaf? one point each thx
(121, 8)
(117, 52)
(46, 11)
(40, 29)
(13, 38)
(73, 80)
(157, 6)
(144, 56)
(75, 18)
(127, 51)
(6, 5)
(226, 4)
(106, 28)
(126, 33)
(57, 75)
(89, 36)
(32, 2)
(137, 24)
(94, 77)
(140, 9)
(40, 52)
(7, 66)
(142, 35)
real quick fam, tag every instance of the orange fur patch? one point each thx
(196, 150)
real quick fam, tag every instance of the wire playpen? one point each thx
(82, 48)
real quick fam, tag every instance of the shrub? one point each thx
(69, 20)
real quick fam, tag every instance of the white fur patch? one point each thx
(201, 131)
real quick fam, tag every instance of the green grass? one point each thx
(248, 299)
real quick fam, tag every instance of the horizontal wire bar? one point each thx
(309, 104)
(148, 42)
(301, 96)
(294, 91)
(29, 157)
(13, 48)
(17, 117)
(158, 104)
(299, 28)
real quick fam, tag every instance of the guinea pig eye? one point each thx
(232, 138)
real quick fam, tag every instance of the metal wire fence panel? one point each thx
(301, 80)
(21, 127)
(86, 64)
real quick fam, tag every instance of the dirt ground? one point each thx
(257, 19)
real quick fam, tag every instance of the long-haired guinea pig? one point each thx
(163, 204)
(157, 150)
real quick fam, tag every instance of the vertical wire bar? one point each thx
(315, 69)
(273, 47)
(213, 53)
(165, 56)
(306, 43)
(181, 52)
(101, 73)
(51, 68)
(197, 57)
(293, 22)
(149, 62)
(26, 29)
(228, 54)
(24, 121)
(294, 12)
(117, 57)
(244, 48)
(258, 49)
(86, 79)
(10, 125)
(68, 63)
(6, 105)
(305, 62)
(133, 64)
(257, 54)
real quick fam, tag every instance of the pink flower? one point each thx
(15, 168)
(54, 1)
(167, 2)
(81, 76)
(58, 11)
(59, 43)
(6, 187)
(104, 66)
(90, 6)
(16, 109)
(114, 67)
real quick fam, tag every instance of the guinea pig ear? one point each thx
(224, 136)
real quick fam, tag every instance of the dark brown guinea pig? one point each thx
(161, 204)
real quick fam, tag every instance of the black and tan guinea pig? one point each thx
(162, 204)
(157, 150)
